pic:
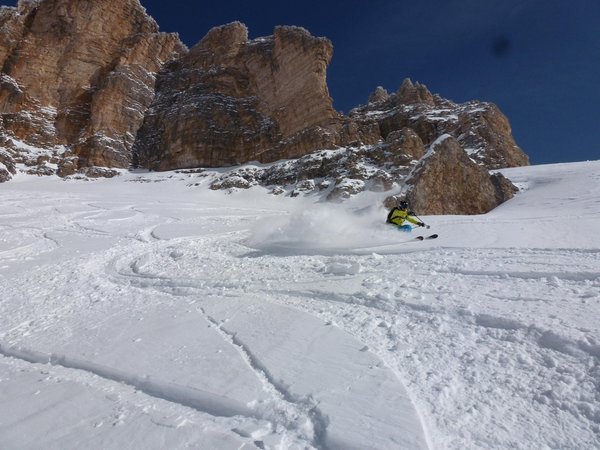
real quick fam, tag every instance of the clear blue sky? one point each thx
(538, 60)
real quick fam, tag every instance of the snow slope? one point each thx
(148, 311)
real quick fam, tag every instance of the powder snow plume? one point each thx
(322, 229)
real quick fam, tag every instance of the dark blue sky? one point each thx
(538, 60)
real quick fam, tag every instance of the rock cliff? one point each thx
(80, 74)
(88, 86)
(443, 180)
(480, 127)
(231, 100)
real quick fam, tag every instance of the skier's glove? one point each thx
(421, 224)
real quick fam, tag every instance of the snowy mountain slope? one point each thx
(161, 315)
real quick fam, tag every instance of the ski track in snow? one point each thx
(562, 370)
(498, 347)
(182, 395)
(146, 271)
(301, 409)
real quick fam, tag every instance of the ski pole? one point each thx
(426, 226)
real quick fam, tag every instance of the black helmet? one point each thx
(403, 204)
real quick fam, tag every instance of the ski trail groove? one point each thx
(531, 275)
(298, 414)
(288, 410)
(543, 337)
(300, 406)
(190, 397)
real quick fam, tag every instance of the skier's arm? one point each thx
(415, 221)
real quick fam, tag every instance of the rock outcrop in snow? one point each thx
(90, 86)
(7, 166)
(442, 182)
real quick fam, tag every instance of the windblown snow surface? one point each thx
(149, 312)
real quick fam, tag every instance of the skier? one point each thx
(399, 214)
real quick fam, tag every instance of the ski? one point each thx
(431, 236)
(391, 245)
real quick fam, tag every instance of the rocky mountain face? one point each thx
(231, 100)
(78, 76)
(480, 128)
(93, 86)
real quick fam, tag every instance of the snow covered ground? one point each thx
(147, 311)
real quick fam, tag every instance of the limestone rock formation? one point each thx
(87, 86)
(231, 100)
(380, 95)
(411, 93)
(481, 129)
(447, 181)
(335, 174)
(80, 74)
(7, 166)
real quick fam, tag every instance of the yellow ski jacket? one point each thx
(398, 216)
